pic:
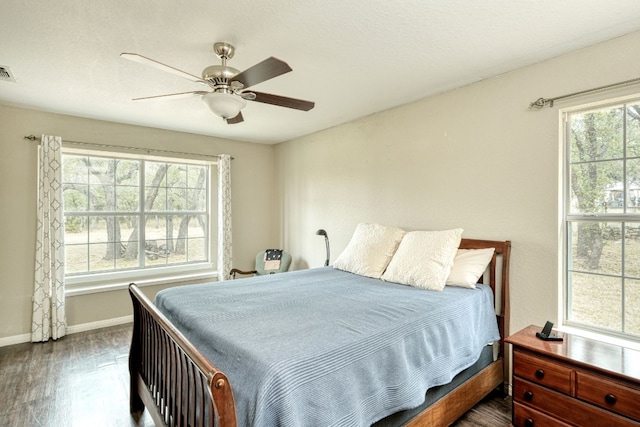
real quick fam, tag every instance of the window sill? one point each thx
(635, 345)
(178, 278)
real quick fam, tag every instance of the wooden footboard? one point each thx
(178, 386)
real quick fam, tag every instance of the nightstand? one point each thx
(574, 382)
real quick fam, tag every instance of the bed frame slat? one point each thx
(192, 392)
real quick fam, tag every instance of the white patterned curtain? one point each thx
(49, 320)
(224, 216)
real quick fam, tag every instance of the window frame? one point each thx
(77, 284)
(567, 218)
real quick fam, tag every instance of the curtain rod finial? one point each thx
(31, 137)
(539, 103)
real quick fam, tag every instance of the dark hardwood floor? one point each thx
(83, 380)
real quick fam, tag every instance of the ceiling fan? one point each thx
(226, 95)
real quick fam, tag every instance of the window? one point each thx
(128, 214)
(602, 219)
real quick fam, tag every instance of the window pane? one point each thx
(129, 242)
(595, 247)
(156, 199)
(155, 174)
(597, 187)
(127, 198)
(75, 229)
(180, 253)
(102, 198)
(156, 252)
(76, 197)
(177, 175)
(75, 180)
(596, 301)
(597, 135)
(632, 307)
(632, 250)
(197, 250)
(197, 198)
(155, 227)
(157, 230)
(128, 172)
(196, 176)
(177, 199)
(633, 130)
(75, 169)
(97, 229)
(198, 226)
(76, 258)
(633, 186)
(98, 260)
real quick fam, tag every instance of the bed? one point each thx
(242, 374)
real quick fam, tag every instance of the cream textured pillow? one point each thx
(369, 250)
(468, 266)
(424, 259)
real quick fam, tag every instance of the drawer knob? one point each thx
(528, 422)
(528, 396)
(610, 399)
(539, 374)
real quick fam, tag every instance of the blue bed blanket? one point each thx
(323, 347)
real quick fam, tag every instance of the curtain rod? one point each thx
(122, 147)
(541, 102)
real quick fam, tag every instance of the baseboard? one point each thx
(73, 329)
(16, 339)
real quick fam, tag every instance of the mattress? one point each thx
(328, 347)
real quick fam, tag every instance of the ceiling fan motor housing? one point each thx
(219, 74)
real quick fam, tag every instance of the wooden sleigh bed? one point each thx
(179, 386)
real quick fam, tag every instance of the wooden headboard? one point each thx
(502, 253)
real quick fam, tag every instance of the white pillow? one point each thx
(424, 259)
(468, 266)
(369, 250)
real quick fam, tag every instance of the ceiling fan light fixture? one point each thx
(225, 105)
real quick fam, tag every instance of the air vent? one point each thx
(5, 74)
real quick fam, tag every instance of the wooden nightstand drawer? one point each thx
(524, 416)
(543, 371)
(609, 394)
(541, 398)
(565, 408)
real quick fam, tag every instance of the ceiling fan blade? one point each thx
(262, 71)
(172, 95)
(236, 119)
(160, 66)
(283, 101)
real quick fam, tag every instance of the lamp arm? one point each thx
(326, 241)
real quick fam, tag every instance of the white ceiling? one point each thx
(353, 58)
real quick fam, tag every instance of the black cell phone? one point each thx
(546, 333)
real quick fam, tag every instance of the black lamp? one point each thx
(321, 232)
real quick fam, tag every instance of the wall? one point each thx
(253, 229)
(476, 158)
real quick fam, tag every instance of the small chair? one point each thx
(269, 261)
